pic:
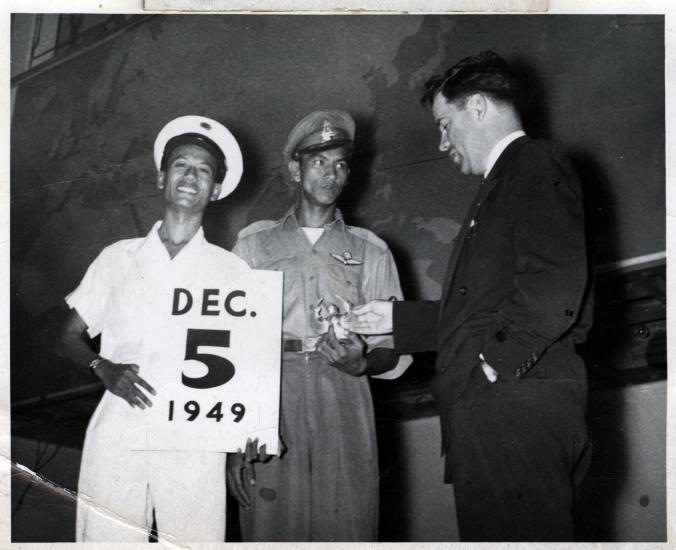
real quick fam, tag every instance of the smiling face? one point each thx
(459, 134)
(321, 175)
(188, 179)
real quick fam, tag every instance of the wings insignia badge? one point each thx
(346, 258)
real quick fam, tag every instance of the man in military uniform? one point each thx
(125, 296)
(325, 486)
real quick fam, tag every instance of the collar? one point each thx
(153, 243)
(152, 240)
(290, 219)
(498, 149)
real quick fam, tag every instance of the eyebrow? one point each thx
(183, 156)
(325, 157)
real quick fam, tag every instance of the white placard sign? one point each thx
(216, 368)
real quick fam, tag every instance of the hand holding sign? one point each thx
(241, 470)
(123, 380)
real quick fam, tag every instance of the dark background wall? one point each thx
(81, 165)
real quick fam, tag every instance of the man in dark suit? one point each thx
(509, 387)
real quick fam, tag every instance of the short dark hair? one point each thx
(201, 141)
(485, 72)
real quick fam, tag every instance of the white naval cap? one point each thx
(211, 135)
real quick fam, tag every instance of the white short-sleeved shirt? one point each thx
(127, 296)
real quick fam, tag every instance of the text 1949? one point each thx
(192, 408)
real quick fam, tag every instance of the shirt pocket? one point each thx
(289, 265)
(344, 280)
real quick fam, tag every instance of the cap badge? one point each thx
(346, 258)
(328, 131)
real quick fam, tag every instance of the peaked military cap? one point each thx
(319, 131)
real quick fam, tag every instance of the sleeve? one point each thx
(415, 326)
(550, 269)
(382, 283)
(90, 298)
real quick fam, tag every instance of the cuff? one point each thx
(415, 326)
(511, 359)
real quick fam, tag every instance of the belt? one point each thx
(301, 346)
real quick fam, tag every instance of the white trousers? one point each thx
(119, 489)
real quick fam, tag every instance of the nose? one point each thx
(444, 144)
(191, 172)
(330, 172)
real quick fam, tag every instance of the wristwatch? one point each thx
(95, 363)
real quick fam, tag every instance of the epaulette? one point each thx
(368, 236)
(256, 227)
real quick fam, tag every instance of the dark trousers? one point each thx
(516, 449)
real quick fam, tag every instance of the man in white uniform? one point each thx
(125, 296)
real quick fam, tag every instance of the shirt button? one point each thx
(312, 277)
(462, 290)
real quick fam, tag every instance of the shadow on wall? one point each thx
(361, 170)
(532, 101)
(39, 351)
(225, 218)
(600, 494)
(599, 198)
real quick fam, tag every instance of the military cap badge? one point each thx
(328, 131)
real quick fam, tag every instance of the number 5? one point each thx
(220, 369)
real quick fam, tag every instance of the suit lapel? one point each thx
(484, 190)
(453, 260)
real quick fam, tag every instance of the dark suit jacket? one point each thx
(516, 282)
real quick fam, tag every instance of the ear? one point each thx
(477, 105)
(160, 179)
(294, 170)
(215, 192)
